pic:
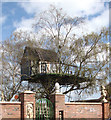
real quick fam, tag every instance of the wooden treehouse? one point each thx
(41, 66)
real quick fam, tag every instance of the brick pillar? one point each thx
(27, 99)
(106, 110)
(58, 99)
(59, 104)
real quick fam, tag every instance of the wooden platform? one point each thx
(62, 79)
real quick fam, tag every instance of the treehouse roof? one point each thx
(41, 54)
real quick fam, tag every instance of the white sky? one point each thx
(72, 8)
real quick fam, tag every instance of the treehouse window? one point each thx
(54, 68)
(43, 67)
(34, 67)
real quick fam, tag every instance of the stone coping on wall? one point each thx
(28, 92)
(81, 103)
(8, 102)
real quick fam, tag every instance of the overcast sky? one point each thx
(19, 15)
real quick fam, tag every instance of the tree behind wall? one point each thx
(55, 30)
(89, 51)
(12, 52)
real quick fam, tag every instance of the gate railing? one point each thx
(44, 109)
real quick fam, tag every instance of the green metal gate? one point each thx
(44, 109)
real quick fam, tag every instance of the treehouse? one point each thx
(37, 60)
(40, 65)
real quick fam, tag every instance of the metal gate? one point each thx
(44, 109)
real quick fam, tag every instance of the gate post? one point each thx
(58, 99)
(105, 104)
(27, 99)
(105, 110)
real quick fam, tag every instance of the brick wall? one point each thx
(71, 110)
(10, 110)
(83, 110)
(17, 110)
